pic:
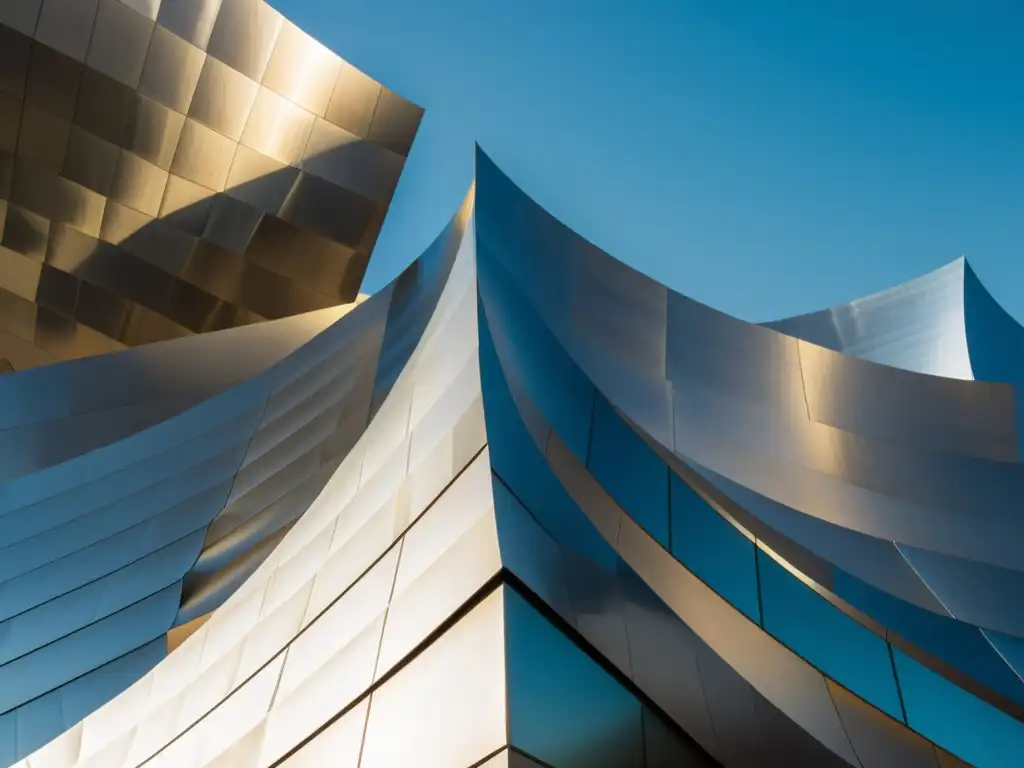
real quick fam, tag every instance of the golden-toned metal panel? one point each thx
(223, 99)
(232, 223)
(187, 205)
(25, 232)
(10, 121)
(302, 70)
(43, 139)
(139, 184)
(216, 270)
(152, 155)
(260, 181)
(348, 161)
(353, 100)
(122, 223)
(53, 81)
(244, 35)
(172, 69)
(18, 274)
(90, 161)
(153, 131)
(14, 55)
(277, 128)
(120, 40)
(68, 249)
(204, 156)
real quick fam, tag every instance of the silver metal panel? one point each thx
(916, 326)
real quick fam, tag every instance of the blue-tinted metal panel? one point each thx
(958, 644)
(839, 646)
(635, 477)
(956, 720)
(714, 549)
(562, 707)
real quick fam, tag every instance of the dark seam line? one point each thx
(575, 636)
(973, 686)
(483, 760)
(899, 689)
(173, 480)
(380, 646)
(355, 581)
(105, 477)
(590, 433)
(478, 596)
(584, 645)
(784, 645)
(85, 584)
(842, 725)
(89, 671)
(174, 508)
(757, 586)
(528, 756)
(704, 695)
(568, 490)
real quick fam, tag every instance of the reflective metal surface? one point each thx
(523, 507)
(124, 125)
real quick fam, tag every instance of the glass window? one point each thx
(630, 471)
(955, 720)
(564, 708)
(956, 643)
(517, 461)
(713, 549)
(838, 645)
(534, 357)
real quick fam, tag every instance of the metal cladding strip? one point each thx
(916, 459)
(171, 168)
(917, 326)
(973, 410)
(341, 600)
(793, 687)
(240, 483)
(572, 370)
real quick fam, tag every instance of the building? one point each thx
(524, 507)
(167, 169)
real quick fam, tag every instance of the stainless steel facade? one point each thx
(171, 167)
(527, 507)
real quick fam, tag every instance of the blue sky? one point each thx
(766, 158)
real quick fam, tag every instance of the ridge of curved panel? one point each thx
(746, 402)
(340, 601)
(919, 325)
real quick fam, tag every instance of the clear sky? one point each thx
(768, 158)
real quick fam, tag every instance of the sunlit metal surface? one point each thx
(528, 507)
(172, 167)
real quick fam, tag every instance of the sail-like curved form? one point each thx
(592, 522)
(169, 168)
